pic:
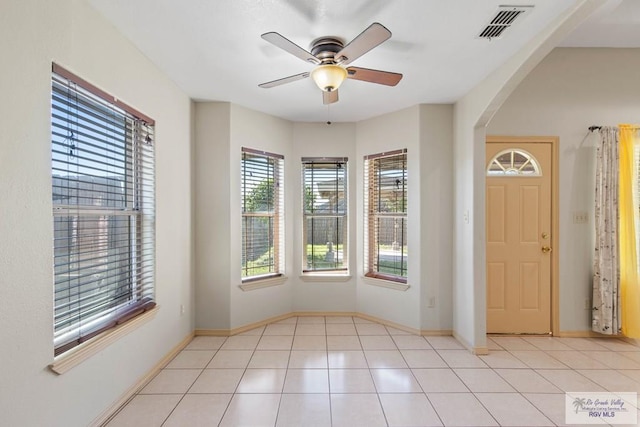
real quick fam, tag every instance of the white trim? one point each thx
(385, 283)
(263, 283)
(82, 352)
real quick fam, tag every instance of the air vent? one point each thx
(503, 19)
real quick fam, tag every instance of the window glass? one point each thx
(513, 162)
(386, 215)
(262, 214)
(103, 212)
(325, 214)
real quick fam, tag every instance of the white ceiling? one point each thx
(212, 48)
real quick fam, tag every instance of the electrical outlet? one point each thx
(587, 304)
(465, 217)
(181, 309)
(432, 302)
(580, 218)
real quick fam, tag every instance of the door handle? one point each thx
(546, 249)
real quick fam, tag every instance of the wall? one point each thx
(212, 214)
(570, 90)
(436, 216)
(322, 140)
(471, 115)
(69, 32)
(386, 133)
(260, 131)
(222, 129)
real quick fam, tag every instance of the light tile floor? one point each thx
(344, 371)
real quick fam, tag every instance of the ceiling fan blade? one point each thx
(285, 80)
(329, 97)
(374, 76)
(368, 39)
(289, 46)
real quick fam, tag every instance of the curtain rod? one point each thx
(592, 128)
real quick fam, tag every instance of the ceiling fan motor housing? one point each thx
(331, 56)
(325, 48)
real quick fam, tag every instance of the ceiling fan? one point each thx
(331, 55)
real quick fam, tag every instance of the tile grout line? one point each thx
(450, 366)
(233, 394)
(435, 411)
(286, 372)
(518, 391)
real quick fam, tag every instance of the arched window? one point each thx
(513, 162)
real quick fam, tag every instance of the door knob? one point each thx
(546, 249)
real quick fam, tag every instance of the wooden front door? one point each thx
(518, 230)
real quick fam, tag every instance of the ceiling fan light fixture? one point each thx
(329, 77)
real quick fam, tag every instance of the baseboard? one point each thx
(324, 313)
(240, 329)
(632, 341)
(480, 351)
(388, 323)
(245, 328)
(477, 350)
(212, 332)
(591, 334)
(436, 332)
(108, 414)
(462, 341)
(584, 334)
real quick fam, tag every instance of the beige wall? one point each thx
(212, 273)
(35, 33)
(436, 217)
(471, 115)
(222, 129)
(322, 140)
(570, 90)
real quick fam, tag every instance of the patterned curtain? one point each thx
(606, 271)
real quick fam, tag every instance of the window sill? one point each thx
(386, 283)
(263, 283)
(325, 277)
(79, 354)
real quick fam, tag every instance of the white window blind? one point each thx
(262, 196)
(102, 165)
(386, 215)
(325, 214)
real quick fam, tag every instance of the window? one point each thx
(513, 162)
(102, 165)
(324, 214)
(386, 215)
(262, 214)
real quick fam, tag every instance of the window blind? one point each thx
(262, 200)
(102, 164)
(386, 215)
(325, 214)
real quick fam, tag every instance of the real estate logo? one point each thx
(616, 408)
